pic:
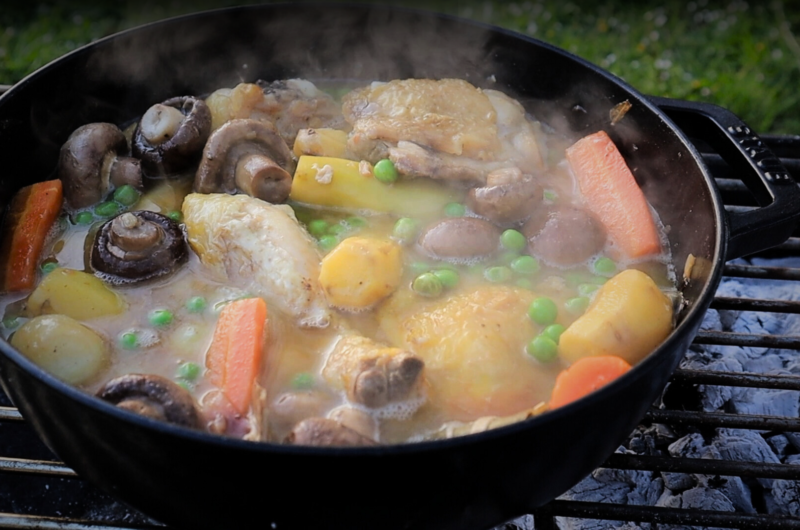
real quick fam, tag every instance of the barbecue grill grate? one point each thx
(37, 491)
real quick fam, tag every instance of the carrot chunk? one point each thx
(31, 215)
(585, 376)
(236, 349)
(613, 196)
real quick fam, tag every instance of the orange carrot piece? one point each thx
(236, 349)
(613, 195)
(585, 376)
(31, 215)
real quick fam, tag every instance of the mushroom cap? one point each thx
(153, 396)
(183, 149)
(232, 142)
(81, 161)
(138, 246)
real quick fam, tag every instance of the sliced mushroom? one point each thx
(170, 136)
(152, 396)
(564, 235)
(90, 163)
(508, 197)
(460, 238)
(138, 246)
(325, 432)
(249, 156)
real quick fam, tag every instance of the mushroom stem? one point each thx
(261, 177)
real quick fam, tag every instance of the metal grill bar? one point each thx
(545, 518)
(10, 414)
(720, 419)
(752, 304)
(8, 520)
(729, 338)
(764, 273)
(702, 466)
(782, 382)
(35, 467)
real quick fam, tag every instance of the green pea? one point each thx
(525, 265)
(338, 229)
(577, 305)
(303, 381)
(513, 239)
(507, 256)
(498, 274)
(160, 317)
(356, 221)
(385, 171)
(454, 209)
(405, 229)
(318, 227)
(129, 340)
(196, 304)
(604, 267)
(543, 311)
(11, 322)
(525, 283)
(543, 349)
(188, 385)
(84, 218)
(188, 371)
(126, 195)
(427, 284)
(448, 277)
(328, 242)
(575, 278)
(418, 267)
(586, 289)
(554, 331)
(175, 215)
(550, 195)
(49, 266)
(106, 209)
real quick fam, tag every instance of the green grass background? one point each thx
(742, 55)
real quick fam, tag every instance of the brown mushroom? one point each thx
(508, 197)
(170, 136)
(325, 432)
(249, 156)
(564, 235)
(153, 396)
(90, 163)
(138, 246)
(460, 238)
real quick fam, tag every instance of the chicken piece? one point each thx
(515, 132)
(261, 248)
(372, 374)
(473, 346)
(415, 161)
(448, 115)
(290, 105)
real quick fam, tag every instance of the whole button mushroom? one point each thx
(248, 156)
(138, 246)
(152, 396)
(170, 136)
(564, 235)
(90, 163)
(460, 238)
(325, 432)
(507, 198)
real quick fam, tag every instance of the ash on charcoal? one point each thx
(701, 497)
(779, 444)
(784, 498)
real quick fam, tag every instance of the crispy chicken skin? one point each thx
(261, 248)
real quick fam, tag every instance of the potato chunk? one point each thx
(62, 346)
(76, 294)
(628, 318)
(361, 272)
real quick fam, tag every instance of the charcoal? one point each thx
(650, 440)
(794, 439)
(677, 482)
(793, 459)
(734, 489)
(745, 446)
(768, 402)
(693, 446)
(784, 498)
(779, 444)
(701, 498)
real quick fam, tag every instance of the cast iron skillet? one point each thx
(194, 480)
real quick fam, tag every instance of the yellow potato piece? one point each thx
(473, 345)
(361, 272)
(629, 317)
(63, 347)
(75, 294)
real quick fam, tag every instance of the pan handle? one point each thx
(776, 192)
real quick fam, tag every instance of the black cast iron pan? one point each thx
(195, 480)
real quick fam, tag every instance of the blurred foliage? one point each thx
(742, 55)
